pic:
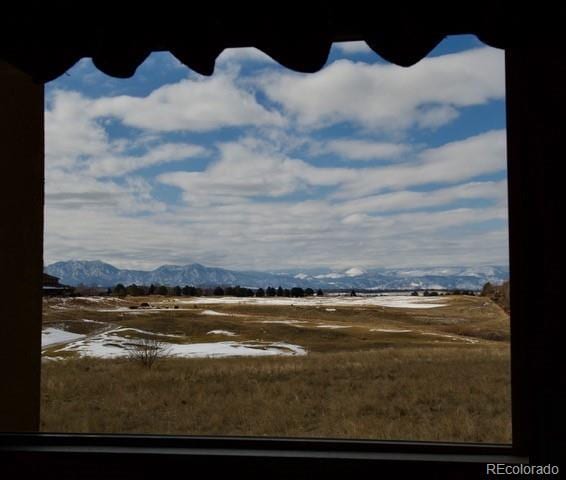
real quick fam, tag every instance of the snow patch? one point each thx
(287, 322)
(212, 312)
(222, 332)
(141, 310)
(55, 336)
(98, 299)
(236, 349)
(86, 320)
(389, 330)
(112, 345)
(454, 338)
(334, 326)
(392, 301)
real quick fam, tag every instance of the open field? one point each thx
(362, 367)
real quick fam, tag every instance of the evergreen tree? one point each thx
(297, 292)
(309, 292)
(270, 292)
(260, 292)
(218, 291)
(177, 290)
(119, 290)
(487, 290)
(162, 290)
(280, 292)
(319, 293)
(134, 290)
(151, 290)
(353, 293)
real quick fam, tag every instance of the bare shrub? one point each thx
(147, 351)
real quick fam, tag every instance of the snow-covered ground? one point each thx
(389, 330)
(114, 344)
(235, 349)
(285, 322)
(105, 299)
(54, 336)
(219, 314)
(141, 310)
(222, 332)
(398, 301)
(333, 326)
(64, 303)
(454, 338)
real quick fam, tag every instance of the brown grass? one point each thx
(463, 316)
(435, 393)
(354, 382)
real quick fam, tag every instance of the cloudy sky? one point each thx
(363, 164)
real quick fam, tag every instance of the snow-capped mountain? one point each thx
(97, 273)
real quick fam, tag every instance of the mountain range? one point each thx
(100, 274)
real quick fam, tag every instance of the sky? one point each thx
(363, 164)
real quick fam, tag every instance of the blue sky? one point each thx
(363, 164)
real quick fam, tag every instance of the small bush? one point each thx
(147, 351)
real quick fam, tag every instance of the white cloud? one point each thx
(78, 192)
(79, 151)
(386, 97)
(76, 139)
(352, 47)
(251, 168)
(411, 200)
(274, 235)
(451, 163)
(70, 131)
(364, 149)
(190, 105)
(436, 116)
(118, 165)
(482, 152)
(243, 210)
(243, 55)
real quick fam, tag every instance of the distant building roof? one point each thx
(50, 281)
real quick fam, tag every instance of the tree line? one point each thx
(122, 290)
(434, 293)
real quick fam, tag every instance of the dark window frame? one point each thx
(534, 99)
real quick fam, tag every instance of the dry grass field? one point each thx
(307, 370)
